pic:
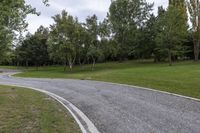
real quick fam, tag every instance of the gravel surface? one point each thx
(121, 109)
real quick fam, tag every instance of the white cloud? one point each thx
(36, 21)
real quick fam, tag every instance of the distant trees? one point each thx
(130, 31)
(33, 50)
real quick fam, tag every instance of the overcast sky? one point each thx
(79, 8)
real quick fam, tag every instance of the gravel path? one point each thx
(121, 109)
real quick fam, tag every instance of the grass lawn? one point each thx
(27, 111)
(181, 78)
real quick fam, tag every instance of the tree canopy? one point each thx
(130, 31)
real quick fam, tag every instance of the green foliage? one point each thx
(33, 50)
(127, 17)
(13, 23)
(64, 39)
(181, 7)
(130, 31)
(147, 39)
(94, 51)
(172, 32)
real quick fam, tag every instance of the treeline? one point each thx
(130, 31)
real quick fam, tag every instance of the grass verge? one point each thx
(27, 111)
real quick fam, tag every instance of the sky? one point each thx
(78, 8)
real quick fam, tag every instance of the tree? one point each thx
(147, 41)
(33, 50)
(126, 18)
(83, 43)
(194, 10)
(63, 39)
(181, 7)
(172, 32)
(94, 51)
(40, 46)
(158, 53)
(13, 22)
(22, 51)
(107, 44)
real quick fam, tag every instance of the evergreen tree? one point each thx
(172, 34)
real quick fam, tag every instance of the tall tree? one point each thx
(158, 53)
(147, 46)
(13, 15)
(194, 10)
(181, 7)
(127, 17)
(63, 39)
(94, 51)
(83, 44)
(172, 33)
(107, 44)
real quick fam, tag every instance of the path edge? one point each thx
(88, 128)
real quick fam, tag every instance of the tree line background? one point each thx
(130, 31)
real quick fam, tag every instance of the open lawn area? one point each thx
(181, 78)
(27, 111)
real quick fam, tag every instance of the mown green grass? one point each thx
(27, 111)
(10, 67)
(181, 78)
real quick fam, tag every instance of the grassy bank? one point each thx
(26, 111)
(182, 78)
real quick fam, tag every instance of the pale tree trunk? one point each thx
(71, 61)
(70, 66)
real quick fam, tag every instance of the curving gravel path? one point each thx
(121, 109)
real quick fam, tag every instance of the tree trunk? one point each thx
(71, 62)
(70, 66)
(196, 51)
(170, 57)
